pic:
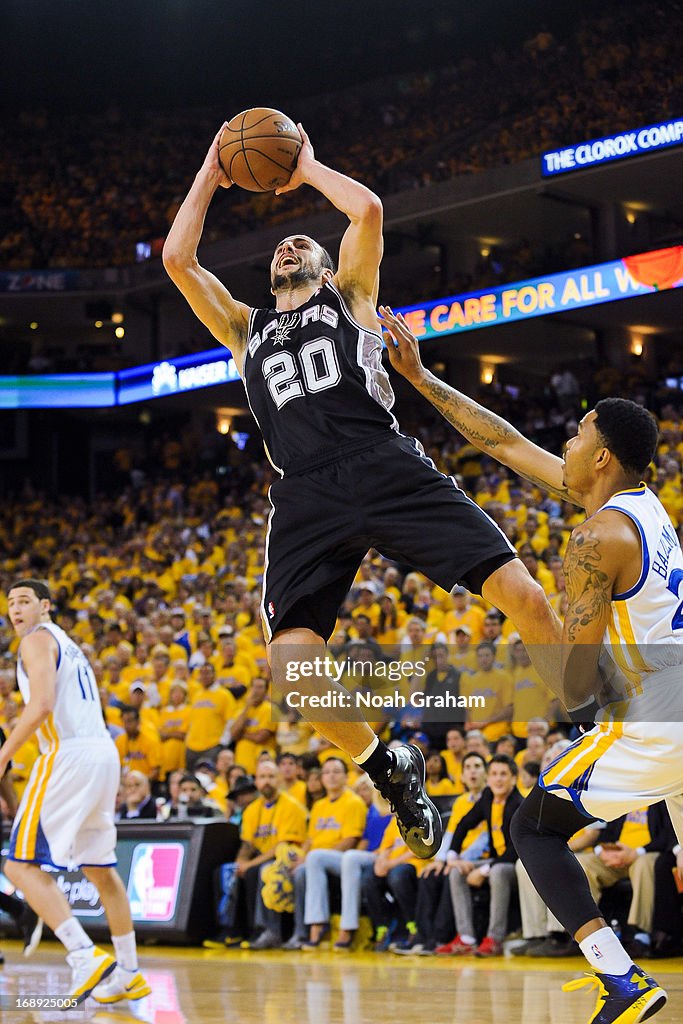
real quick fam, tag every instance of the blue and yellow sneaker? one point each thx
(622, 998)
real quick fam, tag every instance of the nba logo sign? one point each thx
(271, 609)
(154, 880)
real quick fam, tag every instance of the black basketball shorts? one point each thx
(390, 497)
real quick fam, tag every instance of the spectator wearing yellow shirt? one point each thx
(112, 677)
(253, 729)
(138, 698)
(293, 734)
(462, 654)
(22, 763)
(138, 667)
(531, 698)
(167, 641)
(537, 569)
(137, 749)
(204, 651)
(211, 712)
(492, 630)
(336, 824)
(173, 724)
(528, 776)
(438, 782)
(464, 613)
(453, 755)
(533, 750)
(367, 604)
(225, 760)
(273, 818)
(10, 698)
(390, 622)
(495, 686)
(290, 782)
(161, 672)
(233, 669)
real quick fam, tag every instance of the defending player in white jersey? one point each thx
(66, 816)
(624, 576)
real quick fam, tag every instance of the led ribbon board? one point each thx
(605, 282)
(612, 147)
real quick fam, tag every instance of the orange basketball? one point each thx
(258, 149)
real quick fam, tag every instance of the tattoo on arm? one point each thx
(453, 407)
(560, 492)
(589, 588)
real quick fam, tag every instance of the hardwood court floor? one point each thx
(206, 987)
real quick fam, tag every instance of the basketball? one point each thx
(258, 149)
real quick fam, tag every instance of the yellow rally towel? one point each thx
(278, 887)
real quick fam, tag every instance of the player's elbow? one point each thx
(176, 262)
(373, 211)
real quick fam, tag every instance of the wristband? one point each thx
(485, 869)
(597, 850)
(677, 849)
(641, 850)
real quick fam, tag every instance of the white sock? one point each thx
(71, 934)
(469, 940)
(605, 953)
(369, 750)
(126, 951)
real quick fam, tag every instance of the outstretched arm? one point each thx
(484, 429)
(360, 252)
(210, 300)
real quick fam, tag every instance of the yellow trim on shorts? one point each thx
(27, 835)
(576, 760)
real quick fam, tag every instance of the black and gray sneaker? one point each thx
(419, 822)
(31, 930)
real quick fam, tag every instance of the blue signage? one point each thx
(612, 147)
(175, 376)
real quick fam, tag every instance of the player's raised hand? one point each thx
(212, 164)
(304, 160)
(404, 353)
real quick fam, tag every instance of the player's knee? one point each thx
(512, 589)
(544, 814)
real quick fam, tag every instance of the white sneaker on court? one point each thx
(121, 984)
(89, 967)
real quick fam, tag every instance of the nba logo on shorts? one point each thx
(271, 609)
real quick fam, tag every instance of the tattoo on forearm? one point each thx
(452, 406)
(560, 492)
(589, 589)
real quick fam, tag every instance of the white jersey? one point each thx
(646, 631)
(77, 713)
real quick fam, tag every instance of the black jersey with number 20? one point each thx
(315, 383)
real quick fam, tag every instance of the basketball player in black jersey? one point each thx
(349, 480)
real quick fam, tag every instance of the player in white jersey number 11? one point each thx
(66, 817)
